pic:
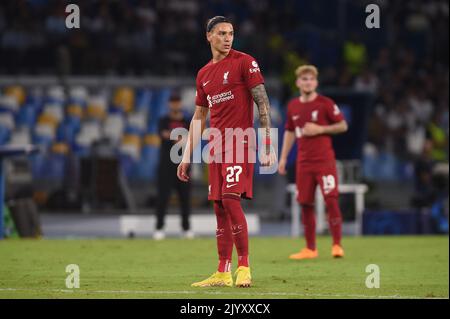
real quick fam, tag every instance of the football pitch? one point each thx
(410, 267)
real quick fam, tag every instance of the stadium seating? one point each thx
(73, 119)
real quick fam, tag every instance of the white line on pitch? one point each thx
(187, 292)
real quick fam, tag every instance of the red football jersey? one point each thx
(225, 87)
(317, 150)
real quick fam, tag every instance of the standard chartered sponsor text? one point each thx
(222, 97)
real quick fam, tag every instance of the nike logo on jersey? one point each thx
(231, 185)
(206, 83)
(296, 117)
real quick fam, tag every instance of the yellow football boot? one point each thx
(218, 279)
(243, 277)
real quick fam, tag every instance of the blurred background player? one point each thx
(237, 77)
(311, 119)
(167, 171)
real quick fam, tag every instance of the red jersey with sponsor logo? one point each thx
(225, 87)
(316, 150)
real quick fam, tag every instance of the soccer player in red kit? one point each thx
(311, 119)
(227, 87)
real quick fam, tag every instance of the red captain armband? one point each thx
(267, 141)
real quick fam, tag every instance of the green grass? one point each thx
(411, 267)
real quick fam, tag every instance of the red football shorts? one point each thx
(233, 177)
(308, 177)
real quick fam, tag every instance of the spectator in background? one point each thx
(421, 105)
(167, 171)
(291, 60)
(423, 170)
(437, 138)
(355, 54)
(431, 190)
(367, 82)
(397, 122)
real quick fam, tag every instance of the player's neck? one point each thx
(308, 97)
(218, 56)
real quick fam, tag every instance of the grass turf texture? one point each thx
(410, 267)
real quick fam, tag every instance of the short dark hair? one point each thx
(215, 20)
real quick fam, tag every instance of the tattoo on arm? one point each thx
(262, 101)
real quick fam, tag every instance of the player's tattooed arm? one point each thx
(262, 101)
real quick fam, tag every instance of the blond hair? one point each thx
(306, 69)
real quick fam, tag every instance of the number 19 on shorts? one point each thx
(329, 183)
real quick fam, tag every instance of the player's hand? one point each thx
(268, 159)
(282, 167)
(182, 172)
(312, 129)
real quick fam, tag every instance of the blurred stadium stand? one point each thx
(114, 76)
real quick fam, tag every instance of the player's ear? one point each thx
(208, 36)
(297, 82)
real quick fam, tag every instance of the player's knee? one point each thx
(334, 212)
(308, 216)
(304, 201)
(331, 202)
(218, 208)
(232, 205)
(307, 208)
